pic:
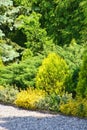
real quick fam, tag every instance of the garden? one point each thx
(43, 55)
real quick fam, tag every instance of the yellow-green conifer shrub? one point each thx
(69, 108)
(75, 107)
(52, 74)
(28, 98)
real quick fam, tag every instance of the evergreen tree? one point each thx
(52, 74)
(82, 84)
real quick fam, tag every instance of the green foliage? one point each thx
(26, 54)
(8, 15)
(22, 75)
(63, 20)
(52, 102)
(49, 103)
(8, 94)
(29, 98)
(71, 82)
(52, 74)
(38, 99)
(9, 51)
(83, 32)
(72, 54)
(36, 36)
(23, 2)
(82, 83)
(29, 32)
(77, 107)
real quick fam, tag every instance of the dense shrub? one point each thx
(72, 54)
(52, 74)
(39, 99)
(8, 94)
(52, 102)
(71, 82)
(82, 84)
(77, 107)
(36, 36)
(9, 51)
(22, 74)
(49, 103)
(63, 19)
(28, 98)
(6, 75)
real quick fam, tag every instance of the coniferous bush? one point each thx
(75, 107)
(82, 83)
(23, 74)
(52, 74)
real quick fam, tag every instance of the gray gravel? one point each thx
(12, 118)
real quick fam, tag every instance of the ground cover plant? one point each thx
(8, 94)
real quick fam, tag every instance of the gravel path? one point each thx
(12, 118)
